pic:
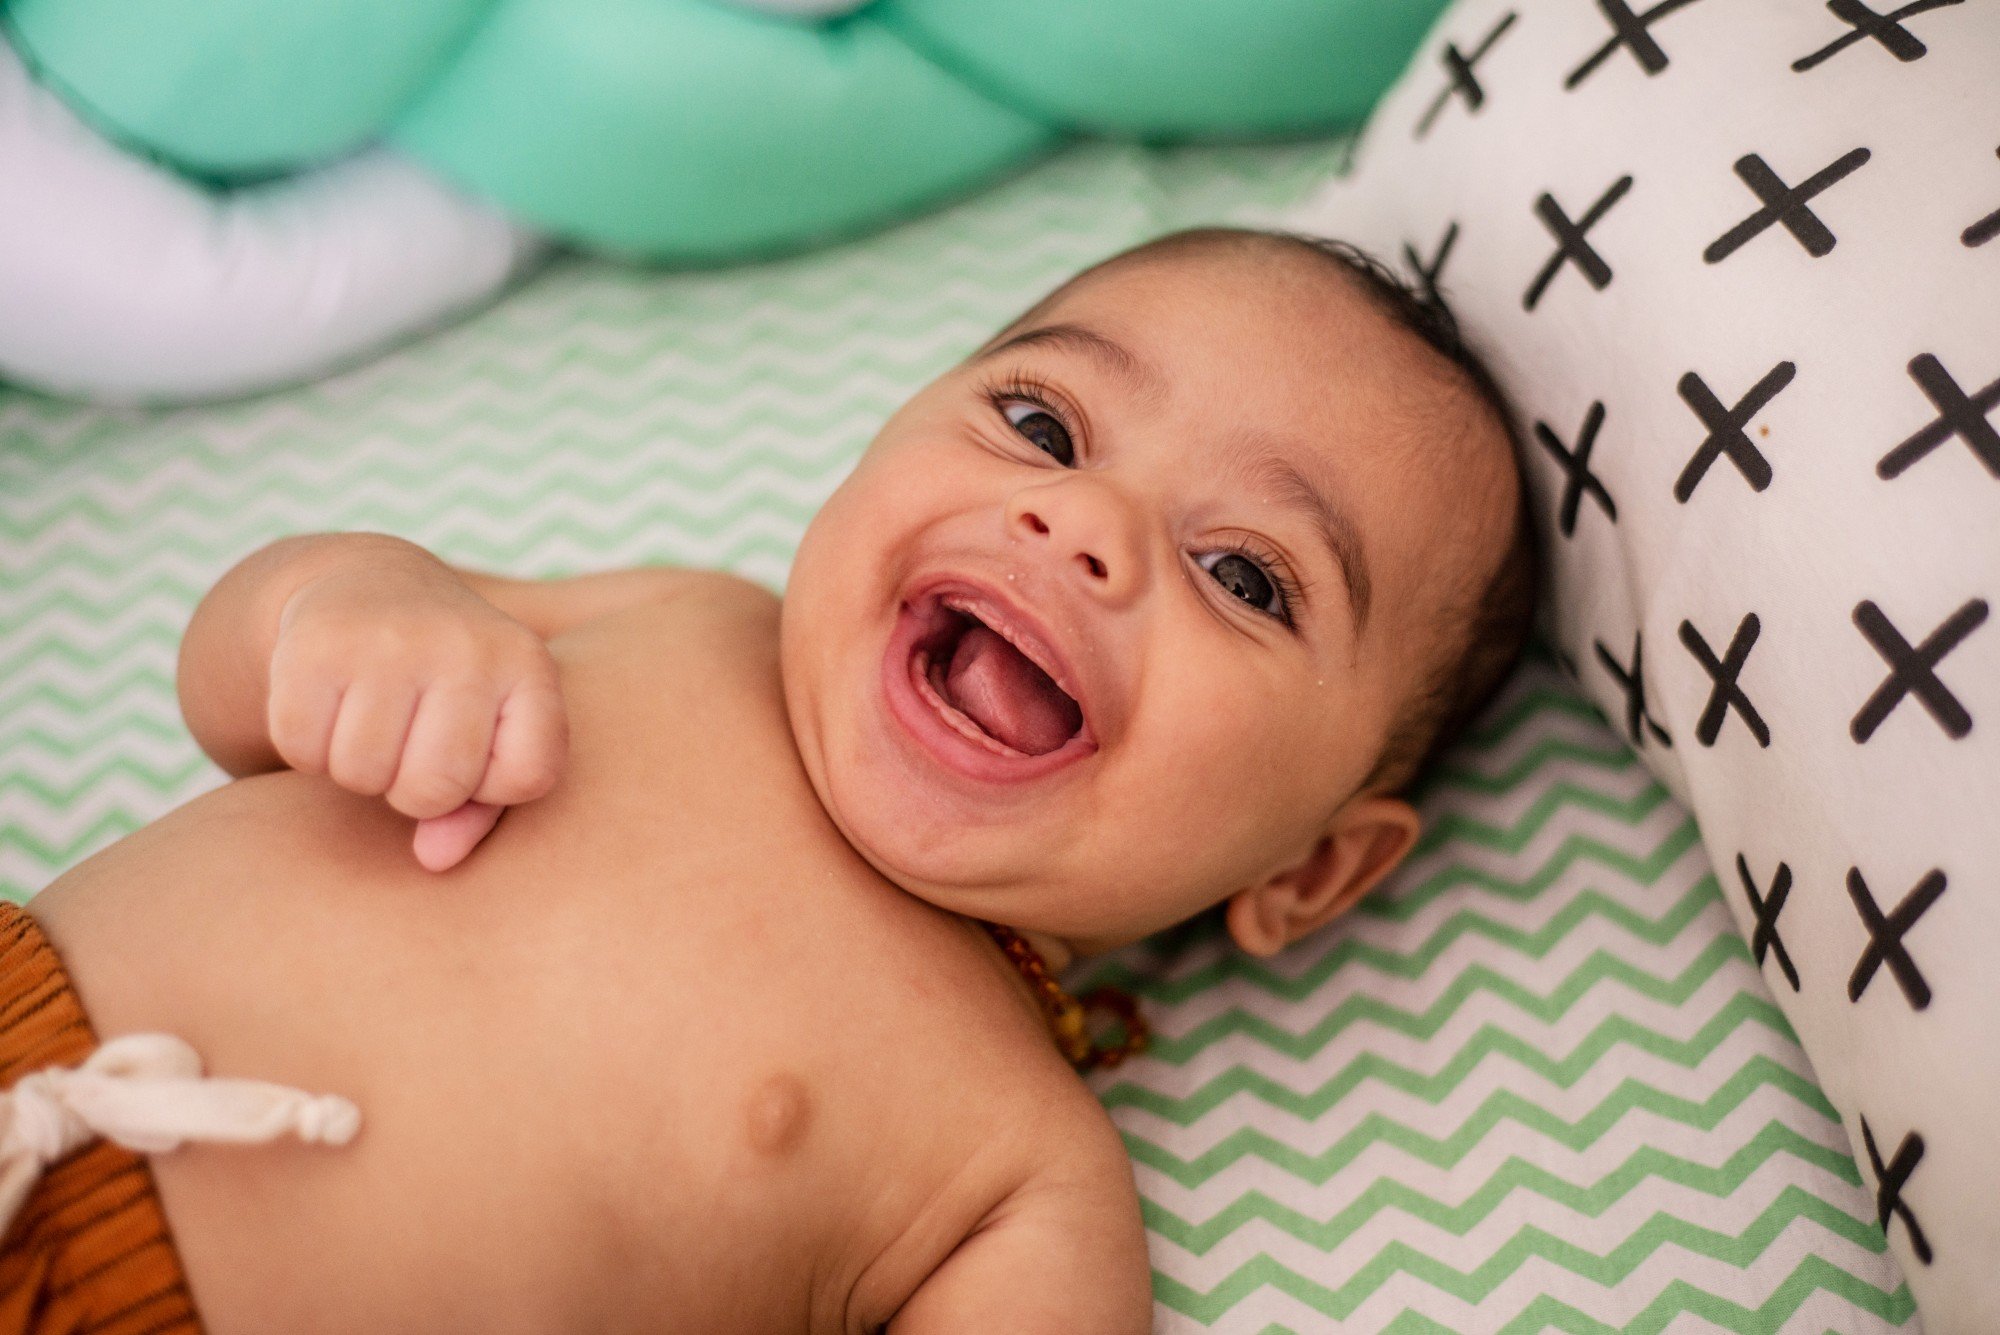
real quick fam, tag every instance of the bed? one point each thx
(1535, 1083)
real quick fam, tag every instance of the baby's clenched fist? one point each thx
(397, 681)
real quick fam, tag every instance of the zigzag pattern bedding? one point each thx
(1536, 1084)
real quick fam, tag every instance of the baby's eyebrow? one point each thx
(1106, 351)
(1296, 489)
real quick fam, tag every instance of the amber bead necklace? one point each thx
(1069, 1017)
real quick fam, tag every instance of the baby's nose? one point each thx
(1088, 529)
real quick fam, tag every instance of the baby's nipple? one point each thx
(777, 1115)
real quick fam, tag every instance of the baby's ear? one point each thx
(1362, 844)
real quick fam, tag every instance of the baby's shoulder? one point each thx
(691, 618)
(687, 677)
(722, 590)
(1064, 1241)
(713, 597)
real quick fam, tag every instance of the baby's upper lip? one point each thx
(1014, 623)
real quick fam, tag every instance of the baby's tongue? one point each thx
(990, 681)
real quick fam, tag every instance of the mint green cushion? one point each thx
(691, 129)
(1173, 69)
(224, 86)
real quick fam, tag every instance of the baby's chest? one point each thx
(793, 1068)
(802, 1131)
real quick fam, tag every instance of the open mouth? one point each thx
(967, 676)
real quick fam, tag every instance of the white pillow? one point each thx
(121, 281)
(1737, 262)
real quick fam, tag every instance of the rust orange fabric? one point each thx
(89, 1253)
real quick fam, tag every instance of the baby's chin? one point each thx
(1008, 876)
(966, 858)
(946, 863)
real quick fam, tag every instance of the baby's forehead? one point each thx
(1270, 327)
(1260, 301)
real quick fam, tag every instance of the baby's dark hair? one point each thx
(1491, 612)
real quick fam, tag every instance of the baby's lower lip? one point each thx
(916, 708)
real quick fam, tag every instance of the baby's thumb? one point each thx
(442, 842)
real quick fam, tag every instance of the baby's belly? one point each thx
(588, 1101)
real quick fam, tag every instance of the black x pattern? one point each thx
(1571, 245)
(1428, 274)
(1726, 692)
(1578, 480)
(1885, 937)
(1889, 1183)
(1784, 204)
(1458, 67)
(1914, 671)
(1764, 937)
(1959, 414)
(1632, 681)
(1887, 29)
(1725, 429)
(1632, 32)
(1982, 231)
(1985, 229)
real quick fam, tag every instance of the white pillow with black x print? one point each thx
(1737, 263)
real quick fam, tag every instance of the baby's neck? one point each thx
(1056, 953)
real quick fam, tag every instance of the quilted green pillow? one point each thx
(695, 130)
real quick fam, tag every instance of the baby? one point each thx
(1154, 603)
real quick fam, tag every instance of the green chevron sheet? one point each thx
(1537, 1084)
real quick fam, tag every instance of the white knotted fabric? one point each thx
(146, 1092)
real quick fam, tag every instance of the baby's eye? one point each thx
(1244, 578)
(1041, 428)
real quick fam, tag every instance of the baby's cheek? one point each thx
(1302, 763)
(896, 492)
(1257, 779)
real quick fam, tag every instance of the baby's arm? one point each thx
(1063, 1255)
(365, 658)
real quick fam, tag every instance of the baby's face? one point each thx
(1111, 620)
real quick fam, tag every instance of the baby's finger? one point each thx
(368, 736)
(300, 716)
(446, 754)
(442, 842)
(529, 746)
